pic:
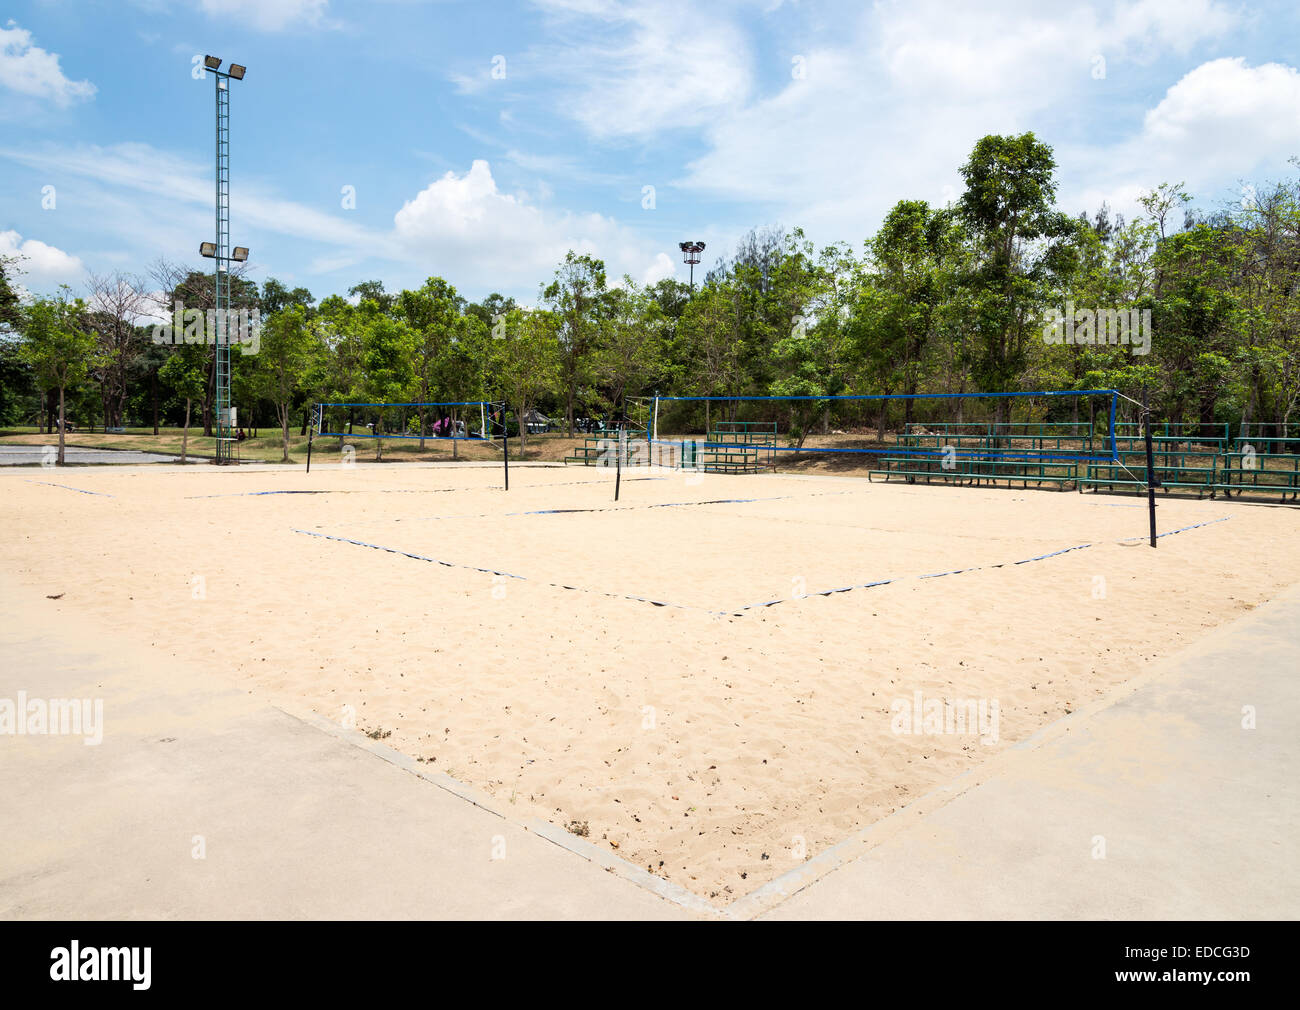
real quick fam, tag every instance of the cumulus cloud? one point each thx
(1227, 106)
(463, 226)
(663, 266)
(42, 267)
(30, 70)
(1220, 124)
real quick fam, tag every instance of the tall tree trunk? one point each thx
(185, 432)
(153, 385)
(284, 430)
(62, 426)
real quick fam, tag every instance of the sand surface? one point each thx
(506, 637)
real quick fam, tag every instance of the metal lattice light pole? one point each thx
(691, 254)
(220, 252)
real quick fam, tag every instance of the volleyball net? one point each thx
(746, 433)
(451, 421)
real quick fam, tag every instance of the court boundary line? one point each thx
(553, 833)
(743, 609)
(69, 487)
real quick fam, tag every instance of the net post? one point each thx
(1151, 469)
(618, 459)
(505, 445)
(1114, 444)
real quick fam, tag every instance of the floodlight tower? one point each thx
(691, 254)
(220, 252)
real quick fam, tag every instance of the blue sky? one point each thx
(484, 139)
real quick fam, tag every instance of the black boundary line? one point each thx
(606, 508)
(739, 611)
(511, 575)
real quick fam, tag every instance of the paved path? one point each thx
(20, 455)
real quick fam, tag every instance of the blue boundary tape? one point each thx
(68, 487)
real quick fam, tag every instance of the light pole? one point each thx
(691, 254)
(220, 252)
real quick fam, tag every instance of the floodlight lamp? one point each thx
(212, 62)
(237, 72)
(240, 254)
(208, 249)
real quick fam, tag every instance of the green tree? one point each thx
(289, 349)
(631, 344)
(1014, 234)
(10, 309)
(433, 314)
(575, 297)
(710, 331)
(59, 347)
(183, 372)
(388, 375)
(527, 361)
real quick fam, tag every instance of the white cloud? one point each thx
(1152, 25)
(461, 225)
(464, 227)
(634, 70)
(269, 15)
(663, 266)
(1227, 107)
(43, 267)
(1221, 123)
(30, 70)
(889, 108)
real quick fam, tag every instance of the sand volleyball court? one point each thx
(714, 678)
